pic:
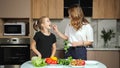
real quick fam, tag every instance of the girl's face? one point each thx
(46, 23)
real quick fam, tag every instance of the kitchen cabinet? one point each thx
(15, 8)
(90, 55)
(60, 54)
(1, 28)
(51, 8)
(109, 9)
(108, 57)
(39, 8)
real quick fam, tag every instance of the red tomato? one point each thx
(48, 60)
(82, 62)
(53, 62)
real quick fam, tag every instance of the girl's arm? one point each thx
(59, 33)
(33, 47)
(53, 49)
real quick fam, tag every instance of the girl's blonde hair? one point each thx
(77, 16)
(37, 26)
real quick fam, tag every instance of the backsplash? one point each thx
(106, 24)
(97, 25)
(118, 32)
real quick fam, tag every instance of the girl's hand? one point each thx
(51, 55)
(40, 56)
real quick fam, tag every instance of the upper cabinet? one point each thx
(106, 9)
(15, 8)
(51, 8)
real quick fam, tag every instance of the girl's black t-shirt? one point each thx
(44, 43)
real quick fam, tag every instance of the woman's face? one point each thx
(46, 23)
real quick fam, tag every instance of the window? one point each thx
(85, 4)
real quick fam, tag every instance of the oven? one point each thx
(14, 51)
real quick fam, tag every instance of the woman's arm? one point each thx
(59, 33)
(53, 49)
(82, 43)
(88, 43)
(33, 47)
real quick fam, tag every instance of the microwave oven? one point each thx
(18, 28)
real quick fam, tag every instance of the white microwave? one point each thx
(18, 28)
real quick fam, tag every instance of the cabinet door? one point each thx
(90, 55)
(1, 27)
(39, 8)
(109, 58)
(60, 54)
(106, 9)
(14, 8)
(51, 8)
(56, 9)
(117, 9)
(1, 56)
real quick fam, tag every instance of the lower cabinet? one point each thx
(111, 58)
(91, 55)
(60, 54)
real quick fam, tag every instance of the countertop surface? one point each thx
(96, 49)
(89, 64)
(103, 48)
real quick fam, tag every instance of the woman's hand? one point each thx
(74, 44)
(55, 28)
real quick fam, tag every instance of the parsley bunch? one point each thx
(66, 47)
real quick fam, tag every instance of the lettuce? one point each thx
(38, 62)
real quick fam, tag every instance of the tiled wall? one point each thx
(106, 24)
(97, 25)
(118, 32)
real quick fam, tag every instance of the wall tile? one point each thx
(106, 24)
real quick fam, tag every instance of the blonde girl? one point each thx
(44, 42)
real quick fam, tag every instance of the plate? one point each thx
(77, 66)
(91, 62)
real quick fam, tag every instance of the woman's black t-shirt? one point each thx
(44, 43)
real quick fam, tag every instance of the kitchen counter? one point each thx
(103, 48)
(89, 64)
(96, 48)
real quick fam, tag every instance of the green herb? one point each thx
(107, 35)
(65, 61)
(66, 47)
